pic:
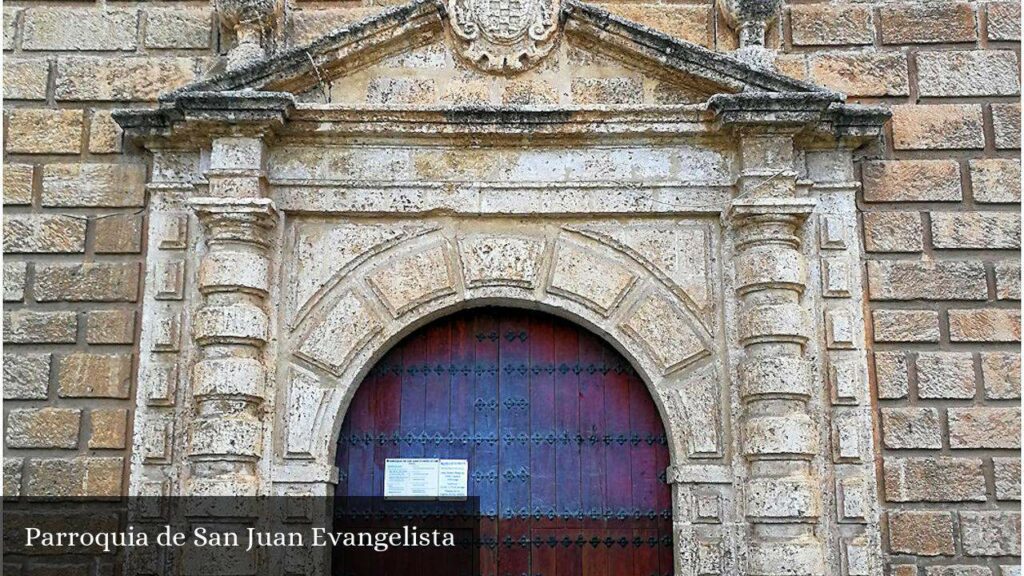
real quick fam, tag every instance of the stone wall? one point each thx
(941, 227)
(73, 228)
(941, 230)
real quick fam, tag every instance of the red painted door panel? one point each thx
(566, 450)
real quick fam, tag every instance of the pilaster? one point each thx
(779, 433)
(232, 324)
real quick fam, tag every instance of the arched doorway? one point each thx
(565, 447)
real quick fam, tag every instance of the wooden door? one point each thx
(565, 446)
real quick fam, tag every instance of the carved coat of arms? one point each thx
(504, 36)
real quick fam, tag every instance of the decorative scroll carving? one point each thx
(504, 36)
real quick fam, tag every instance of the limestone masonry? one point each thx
(799, 221)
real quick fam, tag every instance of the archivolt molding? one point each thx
(369, 306)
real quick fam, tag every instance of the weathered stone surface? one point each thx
(679, 252)
(928, 22)
(39, 131)
(912, 181)
(500, 260)
(777, 435)
(345, 329)
(976, 230)
(48, 29)
(909, 428)
(26, 79)
(525, 92)
(913, 480)
(89, 282)
(831, 24)
(347, 242)
(892, 375)
(413, 280)
(926, 280)
(893, 232)
(995, 181)
(592, 280)
(305, 397)
(937, 127)
(94, 375)
(984, 427)
(26, 376)
(118, 234)
(905, 325)
(43, 233)
(30, 327)
(109, 426)
(1003, 21)
(14, 281)
(968, 73)
(43, 427)
(80, 476)
(1000, 374)
(945, 375)
(401, 91)
(309, 24)
(113, 185)
(1007, 477)
(110, 326)
(862, 73)
(607, 91)
(228, 377)
(104, 133)
(235, 322)
(958, 570)
(10, 22)
(123, 79)
(686, 22)
(986, 325)
(178, 28)
(990, 533)
(921, 533)
(664, 331)
(17, 184)
(1006, 125)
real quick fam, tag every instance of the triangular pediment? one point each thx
(409, 55)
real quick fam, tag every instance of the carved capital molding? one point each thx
(504, 36)
(769, 220)
(236, 220)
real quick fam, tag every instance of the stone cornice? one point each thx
(677, 55)
(821, 112)
(199, 117)
(206, 115)
(258, 98)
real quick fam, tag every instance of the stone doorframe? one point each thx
(762, 389)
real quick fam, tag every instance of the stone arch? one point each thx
(362, 310)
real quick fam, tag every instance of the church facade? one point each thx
(793, 242)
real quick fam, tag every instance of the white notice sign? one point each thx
(453, 477)
(412, 478)
(425, 478)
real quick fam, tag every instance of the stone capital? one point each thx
(236, 220)
(769, 220)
